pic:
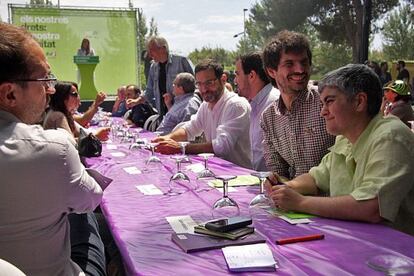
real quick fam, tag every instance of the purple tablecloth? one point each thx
(143, 235)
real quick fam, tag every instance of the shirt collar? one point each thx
(181, 98)
(303, 96)
(7, 116)
(261, 96)
(226, 94)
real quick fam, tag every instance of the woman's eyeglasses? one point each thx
(74, 94)
(50, 81)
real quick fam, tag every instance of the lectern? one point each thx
(86, 66)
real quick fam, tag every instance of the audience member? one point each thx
(403, 73)
(63, 104)
(385, 76)
(396, 101)
(368, 173)
(84, 119)
(374, 66)
(43, 179)
(162, 73)
(223, 117)
(119, 108)
(186, 103)
(226, 80)
(139, 113)
(253, 84)
(294, 133)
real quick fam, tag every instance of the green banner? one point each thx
(112, 35)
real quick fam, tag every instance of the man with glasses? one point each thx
(43, 179)
(223, 117)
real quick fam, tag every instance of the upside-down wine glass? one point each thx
(206, 172)
(391, 264)
(183, 145)
(261, 200)
(180, 182)
(225, 207)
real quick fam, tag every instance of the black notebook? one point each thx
(231, 235)
(192, 243)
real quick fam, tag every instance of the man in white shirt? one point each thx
(253, 84)
(43, 179)
(223, 117)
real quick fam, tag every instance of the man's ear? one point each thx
(361, 102)
(252, 75)
(271, 72)
(8, 94)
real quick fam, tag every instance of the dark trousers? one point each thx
(86, 244)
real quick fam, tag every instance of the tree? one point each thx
(398, 34)
(41, 2)
(336, 21)
(153, 28)
(222, 56)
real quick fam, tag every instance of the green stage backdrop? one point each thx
(112, 34)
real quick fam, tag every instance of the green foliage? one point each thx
(41, 2)
(141, 30)
(336, 21)
(398, 34)
(153, 28)
(222, 56)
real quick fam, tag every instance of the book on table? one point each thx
(231, 235)
(192, 243)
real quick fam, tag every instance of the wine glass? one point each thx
(206, 172)
(391, 264)
(184, 144)
(225, 206)
(153, 158)
(179, 182)
(260, 200)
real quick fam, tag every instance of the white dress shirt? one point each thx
(260, 102)
(226, 126)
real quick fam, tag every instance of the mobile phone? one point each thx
(227, 224)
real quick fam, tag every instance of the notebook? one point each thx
(192, 243)
(231, 235)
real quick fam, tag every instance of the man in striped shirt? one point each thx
(295, 137)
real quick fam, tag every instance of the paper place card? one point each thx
(252, 257)
(195, 168)
(295, 221)
(111, 147)
(118, 154)
(132, 170)
(229, 190)
(149, 189)
(182, 224)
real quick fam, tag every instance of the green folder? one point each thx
(241, 180)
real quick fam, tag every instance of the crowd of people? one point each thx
(341, 149)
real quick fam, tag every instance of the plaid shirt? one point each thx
(296, 140)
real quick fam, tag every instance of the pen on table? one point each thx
(300, 239)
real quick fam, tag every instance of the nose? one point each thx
(50, 90)
(299, 67)
(324, 110)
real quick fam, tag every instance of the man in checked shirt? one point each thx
(295, 137)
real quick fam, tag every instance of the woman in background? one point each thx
(63, 104)
(397, 98)
(85, 49)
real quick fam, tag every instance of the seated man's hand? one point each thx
(286, 198)
(100, 97)
(168, 100)
(103, 133)
(167, 146)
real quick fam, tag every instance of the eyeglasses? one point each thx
(50, 81)
(208, 83)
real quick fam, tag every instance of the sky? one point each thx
(186, 24)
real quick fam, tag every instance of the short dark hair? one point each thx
(137, 91)
(353, 79)
(207, 64)
(253, 62)
(15, 58)
(57, 101)
(401, 62)
(186, 81)
(285, 42)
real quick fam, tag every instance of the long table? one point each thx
(143, 235)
